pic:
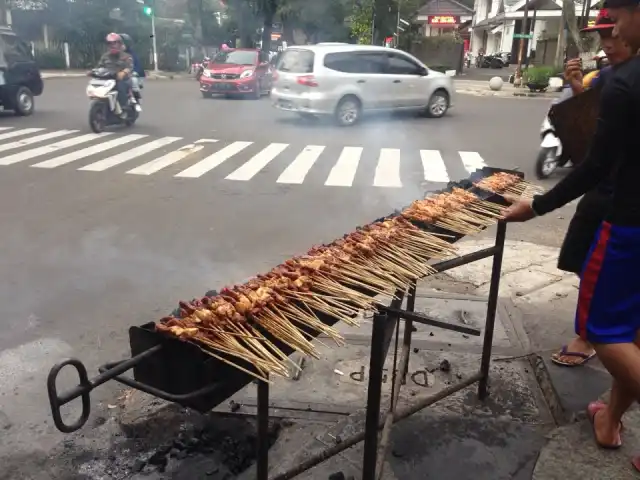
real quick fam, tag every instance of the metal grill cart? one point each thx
(180, 372)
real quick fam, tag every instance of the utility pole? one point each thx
(531, 31)
(151, 13)
(398, 26)
(153, 39)
(524, 32)
(559, 61)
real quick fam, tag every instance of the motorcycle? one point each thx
(105, 109)
(490, 61)
(550, 155)
(199, 68)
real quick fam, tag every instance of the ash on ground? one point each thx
(173, 443)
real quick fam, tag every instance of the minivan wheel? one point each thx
(438, 104)
(348, 111)
(23, 103)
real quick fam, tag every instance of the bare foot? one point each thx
(607, 433)
(581, 350)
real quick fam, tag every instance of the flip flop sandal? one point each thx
(564, 352)
(592, 410)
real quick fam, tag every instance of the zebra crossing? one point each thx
(234, 161)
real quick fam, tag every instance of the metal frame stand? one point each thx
(385, 323)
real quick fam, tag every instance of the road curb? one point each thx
(488, 93)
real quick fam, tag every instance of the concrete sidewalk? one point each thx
(481, 88)
(151, 75)
(533, 425)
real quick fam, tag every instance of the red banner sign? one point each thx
(443, 20)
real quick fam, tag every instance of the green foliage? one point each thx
(361, 19)
(539, 75)
(51, 58)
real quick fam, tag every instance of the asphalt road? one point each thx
(87, 253)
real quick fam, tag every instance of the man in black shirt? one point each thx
(594, 205)
(608, 313)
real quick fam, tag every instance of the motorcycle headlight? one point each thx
(207, 73)
(246, 74)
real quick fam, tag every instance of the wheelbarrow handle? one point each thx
(84, 387)
(82, 390)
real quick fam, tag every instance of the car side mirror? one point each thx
(423, 72)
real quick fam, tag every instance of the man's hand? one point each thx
(121, 75)
(519, 211)
(573, 74)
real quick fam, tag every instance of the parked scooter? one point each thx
(105, 109)
(550, 155)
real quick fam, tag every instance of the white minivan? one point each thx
(347, 80)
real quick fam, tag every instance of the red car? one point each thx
(242, 71)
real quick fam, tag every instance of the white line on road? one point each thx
(36, 139)
(54, 147)
(388, 169)
(102, 165)
(169, 159)
(257, 163)
(212, 161)
(433, 166)
(17, 133)
(344, 171)
(298, 169)
(472, 161)
(87, 152)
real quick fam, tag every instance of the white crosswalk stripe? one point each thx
(212, 161)
(433, 166)
(258, 162)
(36, 139)
(87, 152)
(102, 165)
(472, 161)
(237, 161)
(297, 171)
(18, 133)
(38, 152)
(344, 171)
(388, 169)
(163, 162)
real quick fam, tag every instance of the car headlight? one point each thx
(206, 73)
(246, 74)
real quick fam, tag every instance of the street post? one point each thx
(150, 12)
(153, 40)
(524, 35)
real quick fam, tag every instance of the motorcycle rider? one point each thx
(116, 60)
(137, 81)
(137, 64)
(593, 207)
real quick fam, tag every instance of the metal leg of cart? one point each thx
(492, 305)
(384, 325)
(263, 431)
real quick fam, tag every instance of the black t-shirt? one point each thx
(615, 148)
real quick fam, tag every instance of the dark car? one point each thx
(20, 78)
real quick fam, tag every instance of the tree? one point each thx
(361, 20)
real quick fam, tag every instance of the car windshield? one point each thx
(236, 57)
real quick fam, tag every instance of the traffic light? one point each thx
(148, 11)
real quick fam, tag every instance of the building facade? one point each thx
(498, 25)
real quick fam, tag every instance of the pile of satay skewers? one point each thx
(339, 280)
(503, 183)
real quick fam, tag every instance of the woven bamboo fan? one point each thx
(575, 122)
